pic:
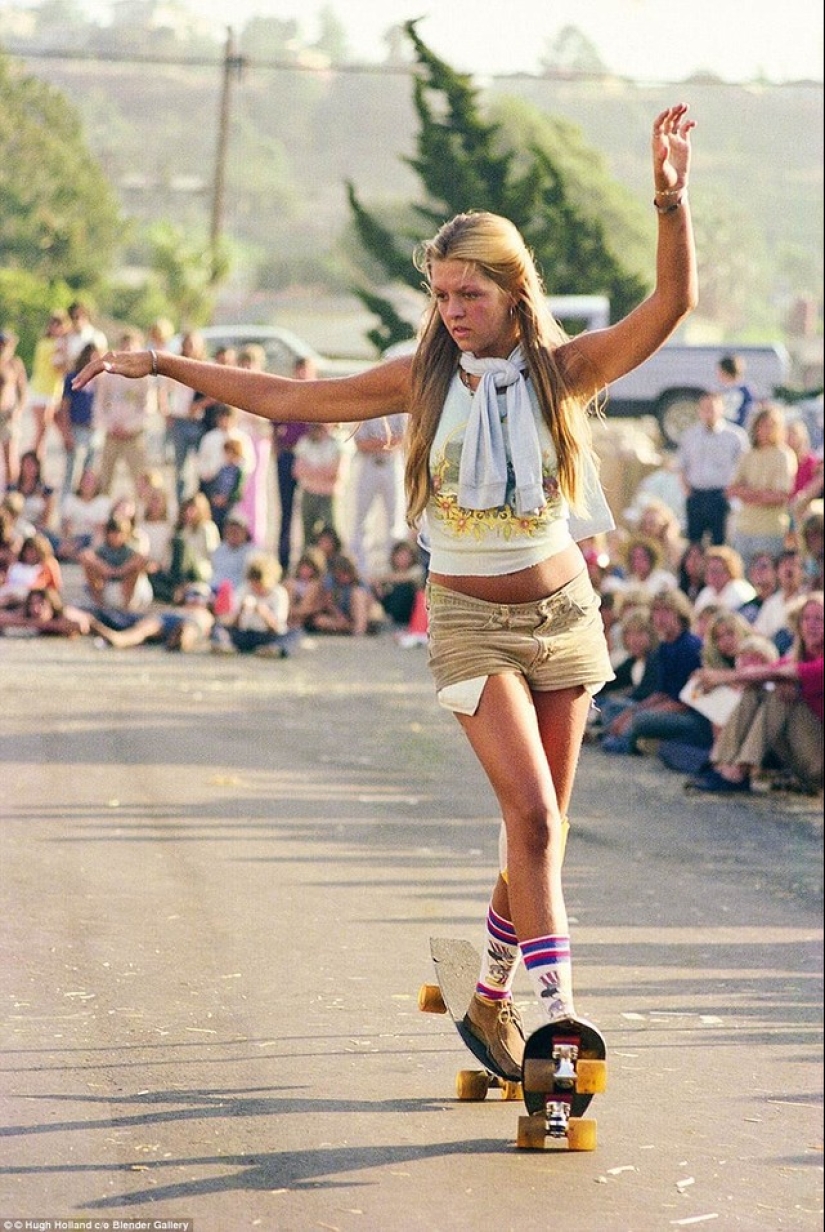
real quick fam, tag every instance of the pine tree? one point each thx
(464, 164)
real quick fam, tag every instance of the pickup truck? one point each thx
(669, 384)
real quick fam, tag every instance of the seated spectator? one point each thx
(725, 580)
(194, 541)
(83, 517)
(635, 677)
(349, 606)
(113, 568)
(156, 528)
(36, 567)
(184, 629)
(230, 559)
(662, 715)
(812, 536)
(783, 721)
(396, 590)
(725, 634)
(305, 587)
(44, 614)
(772, 620)
(761, 574)
(259, 623)
(660, 522)
(690, 574)
(11, 540)
(641, 571)
(39, 500)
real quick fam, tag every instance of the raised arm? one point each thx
(614, 351)
(380, 390)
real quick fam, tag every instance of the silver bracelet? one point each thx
(154, 355)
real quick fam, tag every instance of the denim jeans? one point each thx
(686, 725)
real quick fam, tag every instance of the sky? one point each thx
(649, 40)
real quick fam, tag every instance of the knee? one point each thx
(532, 835)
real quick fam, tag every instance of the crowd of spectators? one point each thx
(711, 583)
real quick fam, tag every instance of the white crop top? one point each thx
(492, 542)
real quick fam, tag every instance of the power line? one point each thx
(242, 62)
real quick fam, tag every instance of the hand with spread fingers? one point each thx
(671, 150)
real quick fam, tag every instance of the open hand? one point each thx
(132, 364)
(671, 148)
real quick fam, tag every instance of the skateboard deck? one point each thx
(564, 1067)
(457, 964)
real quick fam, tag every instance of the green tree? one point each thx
(58, 213)
(465, 162)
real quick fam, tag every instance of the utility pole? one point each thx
(232, 68)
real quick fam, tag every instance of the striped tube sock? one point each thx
(547, 960)
(500, 959)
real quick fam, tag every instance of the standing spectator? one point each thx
(708, 455)
(319, 457)
(121, 412)
(211, 454)
(377, 481)
(227, 488)
(13, 394)
(725, 581)
(254, 499)
(284, 438)
(183, 410)
(785, 720)
(658, 521)
(46, 377)
(761, 486)
(737, 394)
(80, 333)
(75, 421)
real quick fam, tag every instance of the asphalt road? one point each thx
(218, 882)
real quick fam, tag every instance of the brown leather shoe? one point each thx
(498, 1025)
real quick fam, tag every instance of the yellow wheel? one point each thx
(539, 1074)
(430, 999)
(472, 1084)
(591, 1077)
(532, 1131)
(581, 1134)
(511, 1090)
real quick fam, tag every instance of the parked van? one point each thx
(670, 383)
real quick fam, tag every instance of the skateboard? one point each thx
(457, 964)
(564, 1066)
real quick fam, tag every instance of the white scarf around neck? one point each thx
(482, 476)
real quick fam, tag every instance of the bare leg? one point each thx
(529, 745)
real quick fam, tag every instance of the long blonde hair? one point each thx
(495, 246)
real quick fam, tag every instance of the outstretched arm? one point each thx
(614, 351)
(380, 390)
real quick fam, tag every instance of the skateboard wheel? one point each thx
(430, 999)
(532, 1131)
(581, 1134)
(510, 1090)
(472, 1085)
(539, 1074)
(591, 1077)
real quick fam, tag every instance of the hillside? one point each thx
(295, 138)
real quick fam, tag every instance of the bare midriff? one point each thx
(525, 586)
